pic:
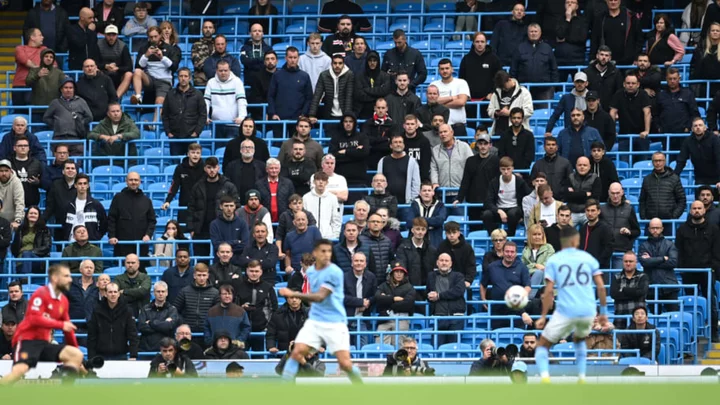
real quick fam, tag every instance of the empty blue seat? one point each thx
(374, 8)
(170, 169)
(442, 7)
(458, 45)
(425, 350)
(377, 350)
(107, 174)
(114, 271)
(408, 8)
(305, 9)
(384, 46)
(627, 361)
(506, 336)
(240, 9)
(405, 25)
(455, 350)
(44, 136)
(281, 46)
(117, 187)
(564, 349)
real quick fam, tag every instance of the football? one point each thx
(516, 297)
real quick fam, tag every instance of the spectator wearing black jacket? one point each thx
(378, 131)
(404, 58)
(360, 286)
(417, 255)
(298, 169)
(662, 194)
(223, 270)
(60, 194)
(52, 21)
(248, 131)
(598, 118)
(115, 60)
(604, 168)
(184, 113)
(649, 76)
(170, 354)
(327, 24)
(82, 40)
(479, 170)
(621, 217)
(628, 289)
(351, 150)
(596, 236)
(247, 170)
(534, 61)
(447, 297)
(343, 252)
(702, 147)
(258, 299)
(131, 218)
(341, 41)
(96, 88)
(659, 258)
(478, 69)
(115, 15)
(402, 100)
(648, 344)
(28, 170)
(111, 330)
(371, 84)
(259, 249)
(713, 112)
(571, 33)
(461, 253)
(380, 198)
(517, 142)
(603, 77)
(620, 30)
(188, 173)
(285, 324)
(426, 112)
(259, 83)
(157, 320)
(395, 298)
(580, 187)
(504, 199)
(285, 189)
(508, 34)
(195, 300)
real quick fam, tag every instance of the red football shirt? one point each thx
(46, 312)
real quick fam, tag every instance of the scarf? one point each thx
(381, 121)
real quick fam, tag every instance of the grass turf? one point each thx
(203, 393)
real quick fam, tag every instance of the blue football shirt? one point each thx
(332, 308)
(572, 271)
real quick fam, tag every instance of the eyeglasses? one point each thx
(410, 348)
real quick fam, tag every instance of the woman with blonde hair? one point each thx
(536, 253)
(498, 238)
(705, 63)
(169, 34)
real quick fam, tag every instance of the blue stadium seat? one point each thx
(170, 170)
(458, 45)
(281, 46)
(442, 8)
(408, 8)
(299, 29)
(384, 46)
(44, 136)
(305, 9)
(425, 350)
(379, 349)
(564, 349)
(683, 321)
(240, 9)
(155, 271)
(117, 187)
(701, 314)
(405, 25)
(107, 174)
(454, 350)
(673, 348)
(374, 8)
(114, 271)
(438, 26)
(627, 361)
(506, 336)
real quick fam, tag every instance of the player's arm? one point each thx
(36, 315)
(601, 292)
(312, 297)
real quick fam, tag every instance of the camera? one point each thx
(93, 363)
(171, 367)
(402, 359)
(185, 344)
(510, 351)
(401, 356)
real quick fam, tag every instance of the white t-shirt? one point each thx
(506, 194)
(547, 213)
(455, 87)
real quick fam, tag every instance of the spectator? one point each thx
(69, 116)
(395, 298)
(504, 199)
(26, 57)
(115, 60)
(448, 163)
(82, 40)
(275, 191)
(370, 84)
(219, 106)
(157, 320)
(248, 131)
(478, 68)
(582, 186)
(535, 62)
(427, 112)
(356, 60)
(508, 94)
(247, 170)
(648, 345)
(194, 300)
(82, 292)
(314, 61)
(404, 58)
(295, 86)
(570, 101)
(676, 107)
(155, 65)
(693, 17)
(466, 23)
(32, 241)
(28, 170)
(192, 350)
(391, 227)
(498, 238)
(204, 204)
(530, 200)
(596, 235)
(628, 288)
(648, 75)
(334, 88)
(134, 285)
(223, 270)
(417, 254)
(45, 80)
(571, 34)
(609, 28)
(285, 223)
(517, 143)
(603, 167)
(378, 132)
(401, 101)
(227, 316)
(705, 194)
(662, 194)
(350, 149)
(446, 297)
(114, 134)
(184, 113)
(703, 149)
(342, 40)
(324, 206)
(188, 173)
(326, 24)
(546, 211)
(52, 21)
(16, 305)
(170, 354)
(111, 330)
(179, 276)
(380, 245)
(337, 184)
(12, 195)
(361, 286)
(313, 149)
(508, 34)
(255, 212)
(454, 94)
(229, 228)
(252, 54)
(503, 274)
(631, 107)
(428, 207)
(298, 280)
(704, 64)
(659, 258)
(264, 8)
(18, 130)
(131, 218)
(479, 170)
(172, 233)
(201, 50)
(552, 232)
(599, 119)
(107, 13)
(259, 84)
(5, 235)
(417, 146)
(603, 77)
(261, 250)
(81, 247)
(461, 252)
(401, 170)
(663, 46)
(284, 325)
(527, 349)
(220, 54)
(140, 21)
(697, 245)
(344, 250)
(576, 140)
(83, 210)
(257, 297)
(299, 241)
(621, 216)
(381, 197)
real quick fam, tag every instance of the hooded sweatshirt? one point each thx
(44, 89)
(313, 65)
(370, 84)
(352, 163)
(325, 209)
(225, 100)
(234, 231)
(479, 71)
(356, 65)
(12, 196)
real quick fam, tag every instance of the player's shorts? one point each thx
(334, 336)
(559, 327)
(30, 352)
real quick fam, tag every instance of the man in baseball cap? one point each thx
(599, 119)
(569, 101)
(111, 29)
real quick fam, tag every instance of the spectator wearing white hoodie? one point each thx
(324, 207)
(225, 98)
(314, 61)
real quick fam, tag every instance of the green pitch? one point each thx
(197, 392)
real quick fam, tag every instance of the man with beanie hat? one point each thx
(253, 212)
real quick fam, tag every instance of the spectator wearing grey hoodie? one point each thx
(314, 61)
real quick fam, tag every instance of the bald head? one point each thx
(132, 264)
(616, 193)
(582, 165)
(87, 17)
(697, 211)
(655, 227)
(133, 181)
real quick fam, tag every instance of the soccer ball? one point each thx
(516, 297)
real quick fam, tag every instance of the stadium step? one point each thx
(713, 354)
(710, 362)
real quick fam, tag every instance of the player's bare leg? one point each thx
(345, 363)
(17, 372)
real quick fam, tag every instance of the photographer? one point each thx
(312, 367)
(405, 362)
(495, 360)
(170, 363)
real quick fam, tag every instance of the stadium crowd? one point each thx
(262, 211)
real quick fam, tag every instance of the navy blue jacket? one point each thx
(175, 282)
(289, 94)
(36, 150)
(659, 270)
(502, 278)
(231, 318)
(452, 300)
(266, 255)
(234, 232)
(369, 287)
(342, 258)
(82, 301)
(435, 216)
(564, 106)
(506, 37)
(210, 65)
(534, 63)
(252, 64)
(50, 173)
(676, 110)
(587, 134)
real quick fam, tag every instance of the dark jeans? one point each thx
(178, 148)
(31, 267)
(492, 220)
(447, 325)
(201, 249)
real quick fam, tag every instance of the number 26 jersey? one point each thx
(572, 271)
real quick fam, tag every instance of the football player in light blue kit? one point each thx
(327, 322)
(571, 271)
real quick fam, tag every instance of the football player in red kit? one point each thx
(47, 310)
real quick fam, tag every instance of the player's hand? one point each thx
(540, 323)
(286, 292)
(113, 241)
(273, 350)
(69, 327)
(603, 320)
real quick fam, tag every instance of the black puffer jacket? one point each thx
(183, 180)
(382, 250)
(131, 216)
(386, 292)
(325, 91)
(463, 257)
(385, 200)
(153, 325)
(698, 245)
(193, 304)
(284, 326)
(622, 216)
(662, 196)
(112, 331)
(41, 245)
(221, 273)
(184, 113)
(418, 264)
(197, 204)
(261, 299)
